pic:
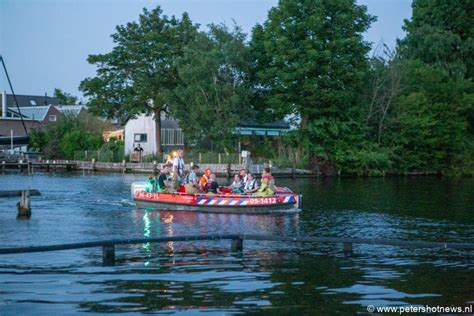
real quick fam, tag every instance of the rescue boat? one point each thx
(283, 200)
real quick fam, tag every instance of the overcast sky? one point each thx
(45, 43)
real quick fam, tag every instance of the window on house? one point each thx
(140, 138)
(33, 102)
(52, 118)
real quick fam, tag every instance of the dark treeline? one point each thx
(401, 110)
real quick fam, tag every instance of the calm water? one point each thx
(204, 277)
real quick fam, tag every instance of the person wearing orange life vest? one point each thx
(267, 186)
(205, 179)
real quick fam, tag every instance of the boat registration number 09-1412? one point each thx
(257, 201)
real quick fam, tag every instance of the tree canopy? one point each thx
(310, 61)
(213, 94)
(406, 109)
(139, 75)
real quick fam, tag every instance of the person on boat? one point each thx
(267, 186)
(238, 185)
(205, 179)
(244, 175)
(191, 182)
(178, 169)
(150, 185)
(251, 186)
(164, 185)
(212, 187)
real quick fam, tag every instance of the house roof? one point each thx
(72, 110)
(30, 100)
(281, 124)
(37, 113)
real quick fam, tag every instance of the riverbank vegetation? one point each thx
(404, 109)
(61, 139)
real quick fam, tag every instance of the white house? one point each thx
(141, 130)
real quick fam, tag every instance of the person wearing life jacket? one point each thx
(243, 174)
(238, 184)
(267, 186)
(178, 169)
(212, 187)
(191, 181)
(164, 185)
(204, 179)
(251, 186)
(150, 185)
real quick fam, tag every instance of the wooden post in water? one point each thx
(24, 206)
(155, 168)
(108, 255)
(93, 164)
(3, 166)
(124, 166)
(347, 249)
(228, 171)
(237, 245)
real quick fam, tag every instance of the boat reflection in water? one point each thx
(161, 223)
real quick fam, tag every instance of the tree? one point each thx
(139, 75)
(64, 97)
(63, 138)
(213, 94)
(383, 89)
(441, 33)
(433, 123)
(310, 61)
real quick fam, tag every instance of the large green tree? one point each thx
(310, 61)
(441, 33)
(139, 75)
(433, 121)
(213, 94)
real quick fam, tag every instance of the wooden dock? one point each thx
(221, 170)
(14, 193)
(31, 166)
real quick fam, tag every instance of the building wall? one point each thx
(171, 134)
(141, 125)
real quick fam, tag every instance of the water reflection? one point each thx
(268, 276)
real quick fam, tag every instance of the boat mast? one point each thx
(13, 93)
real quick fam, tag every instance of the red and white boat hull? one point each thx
(226, 203)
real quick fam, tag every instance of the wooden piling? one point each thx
(237, 245)
(3, 166)
(155, 167)
(124, 166)
(93, 164)
(228, 171)
(24, 206)
(108, 255)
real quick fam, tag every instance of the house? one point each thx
(72, 110)
(142, 130)
(31, 117)
(117, 134)
(8, 100)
